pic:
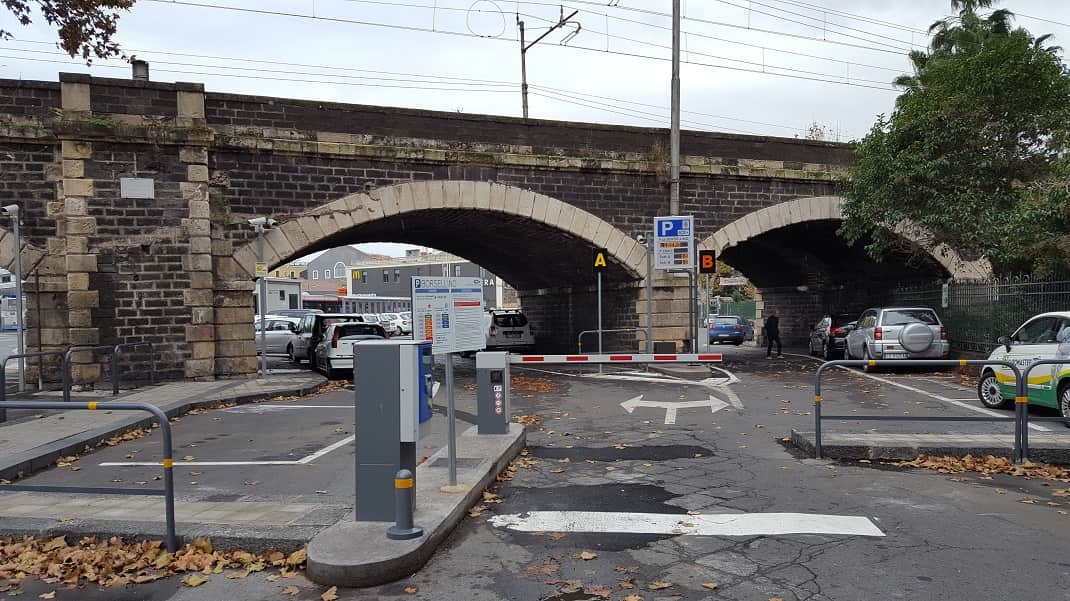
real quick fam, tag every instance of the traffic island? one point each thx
(1048, 447)
(359, 554)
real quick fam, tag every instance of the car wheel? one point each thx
(867, 367)
(290, 353)
(738, 342)
(1064, 403)
(989, 394)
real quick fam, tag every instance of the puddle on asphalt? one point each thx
(636, 453)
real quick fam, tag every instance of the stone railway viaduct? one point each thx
(526, 199)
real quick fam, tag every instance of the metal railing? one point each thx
(168, 491)
(1055, 384)
(67, 377)
(117, 354)
(579, 339)
(3, 373)
(1021, 413)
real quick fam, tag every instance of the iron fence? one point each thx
(977, 312)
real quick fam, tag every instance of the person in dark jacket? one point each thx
(772, 333)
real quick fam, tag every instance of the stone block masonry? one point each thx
(527, 199)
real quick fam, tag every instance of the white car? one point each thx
(897, 333)
(279, 334)
(334, 354)
(401, 325)
(1044, 336)
(508, 330)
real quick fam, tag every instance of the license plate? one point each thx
(723, 335)
(896, 355)
(513, 334)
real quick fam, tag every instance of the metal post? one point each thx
(14, 211)
(817, 426)
(674, 136)
(690, 310)
(650, 294)
(403, 528)
(523, 69)
(262, 301)
(116, 355)
(599, 318)
(451, 421)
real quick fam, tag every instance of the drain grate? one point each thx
(462, 463)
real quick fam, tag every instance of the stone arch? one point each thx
(822, 208)
(327, 225)
(31, 255)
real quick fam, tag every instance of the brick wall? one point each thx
(559, 316)
(133, 98)
(27, 177)
(28, 99)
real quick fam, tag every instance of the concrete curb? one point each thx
(41, 457)
(358, 554)
(831, 449)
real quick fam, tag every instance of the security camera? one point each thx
(640, 238)
(11, 210)
(265, 223)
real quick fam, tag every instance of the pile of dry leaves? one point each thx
(530, 384)
(115, 562)
(988, 465)
(527, 420)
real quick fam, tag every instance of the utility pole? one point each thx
(562, 21)
(674, 136)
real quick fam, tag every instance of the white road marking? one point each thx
(671, 407)
(302, 461)
(273, 408)
(926, 393)
(729, 524)
(326, 449)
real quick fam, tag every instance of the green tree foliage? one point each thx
(972, 152)
(85, 27)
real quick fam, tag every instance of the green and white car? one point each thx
(1045, 336)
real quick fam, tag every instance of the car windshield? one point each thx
(510, 320)
(389, 316)
(902, 317)
(727, 321)
(357, 329)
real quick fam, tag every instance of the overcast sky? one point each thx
(855, 47)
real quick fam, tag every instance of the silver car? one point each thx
(279, 334)
(898, 333)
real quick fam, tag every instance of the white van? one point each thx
(1044, 336)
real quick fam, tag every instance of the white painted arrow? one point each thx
(671, 407)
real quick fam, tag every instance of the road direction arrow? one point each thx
(671, 407)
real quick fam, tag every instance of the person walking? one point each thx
(772, 333)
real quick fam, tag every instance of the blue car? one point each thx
(730, 328)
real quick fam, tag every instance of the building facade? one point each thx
(393, 278)
(332, 264)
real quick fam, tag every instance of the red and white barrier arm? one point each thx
(617, 358)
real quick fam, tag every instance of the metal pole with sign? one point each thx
(707, 265)
(674, 250)
(650, 295)
(600, 264)
(261, 273)
(448, 312)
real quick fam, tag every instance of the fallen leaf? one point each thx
(658, 585)
(297, 558)
(627, 584)
(775, 599)
(291, 591)
(194, 580)
(188, 458)
(411, 590)
(710, 585)
(633, 597)
(330, 595)
(587, 555)
(599, 591)
(477, 511)
(1028, 501)
(271, 577)
(48, 595)
(543, 569)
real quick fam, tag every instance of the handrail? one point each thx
(579, 338)
(3, 373)
(167, 463)
(1020, 410)
(1025, 378)
(67, 383)
(117, 353)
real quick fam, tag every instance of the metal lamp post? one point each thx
(13, 212)
(261, 224)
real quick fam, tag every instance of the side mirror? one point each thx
(1005, 341)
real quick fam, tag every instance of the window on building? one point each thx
(315, 274)
(386, 275)
(364, 277)
(282, 295)
(397, 275)
(339, 270)
(456, 271)
(293, 275)
(5, 279)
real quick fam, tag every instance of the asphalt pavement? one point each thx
(640, 484)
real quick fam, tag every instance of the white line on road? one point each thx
(302, 461)
(933, 395)
(327, 449)
(715, 404)
(737, 524)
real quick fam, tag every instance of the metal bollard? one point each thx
(403, 528)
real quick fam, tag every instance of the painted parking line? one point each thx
(932, 395)
(733, 524)
(302, 461)
(720, 385)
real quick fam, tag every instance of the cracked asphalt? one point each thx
(947, 537)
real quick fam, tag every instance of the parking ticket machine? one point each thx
(392, 386)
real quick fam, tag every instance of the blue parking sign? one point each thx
(674, 242)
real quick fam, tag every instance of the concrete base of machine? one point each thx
(357, 554)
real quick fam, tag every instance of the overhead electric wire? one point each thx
(1044, 19)
(854, 16)
(511, 84)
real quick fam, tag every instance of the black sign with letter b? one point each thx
(707, 261)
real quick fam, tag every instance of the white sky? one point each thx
(334, 53)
